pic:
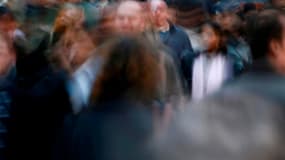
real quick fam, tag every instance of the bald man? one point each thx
(129, 18)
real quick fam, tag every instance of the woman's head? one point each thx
(213, 37)
(69, 16)
(131, 71)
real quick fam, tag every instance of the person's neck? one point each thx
(164, 28)
(277, 66)
(212, 51)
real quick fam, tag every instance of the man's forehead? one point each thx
(129, 8)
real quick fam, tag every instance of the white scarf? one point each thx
(208, 77)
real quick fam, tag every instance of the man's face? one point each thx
(278, 50)
(161, 15)
(129, 19)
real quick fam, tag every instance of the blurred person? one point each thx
(93, 11)
(134, 22)
(7, 78)
(37, 21)
(267, 49)
(73, 53)
(8, 23)
(70, 17)
(212, 67)
(245, 119)
(237, 47)
(129, 18)
(105, 28)
(124, 92)
(191, 15)
(39, 103)
(172, 36)
(231, 125)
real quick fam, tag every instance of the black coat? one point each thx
(118, 130)
(177, 40)
(39, 104)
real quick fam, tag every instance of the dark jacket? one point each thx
(180, 46)
(263, 81)
(39, 104)
(239, 52)
(6, 85)
(177, 40)
(116, 130)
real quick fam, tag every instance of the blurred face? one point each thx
(6, 57)
(278, 50)
(230, 22)
(161, 15)
(81, 50)
(227, 22)
(69, 18)
(7, 23)
(129, 18)
(210, 38)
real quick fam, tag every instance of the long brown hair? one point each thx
(131, 71)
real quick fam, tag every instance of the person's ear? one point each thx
(274, 47)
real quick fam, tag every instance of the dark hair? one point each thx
(219, 32)
(265, 27)
(236, 26)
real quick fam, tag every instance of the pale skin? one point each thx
(7, 58)
(129, 18)
(277, 50)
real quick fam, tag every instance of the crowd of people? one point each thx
(154, 79)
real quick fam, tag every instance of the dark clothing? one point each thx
(187, 68)
(6, 84)
(180, 46)
(263, 81)
(115, 130)
(177, 40)
(39, 104)
(239, 52)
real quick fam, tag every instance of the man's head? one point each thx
(159, 12)
(267, 37)
(129, 18)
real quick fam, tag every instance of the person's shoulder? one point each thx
(179, 29)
